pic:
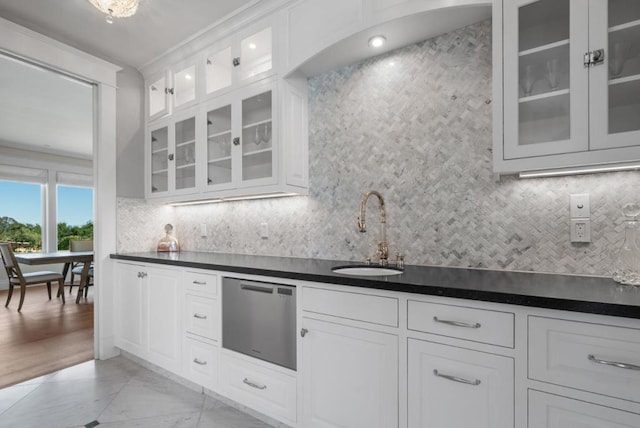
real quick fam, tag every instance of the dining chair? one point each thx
(76, 268)
(16, 277)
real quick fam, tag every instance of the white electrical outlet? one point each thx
(580, 230)
(264, 230)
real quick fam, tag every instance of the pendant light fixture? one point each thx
(116, 8)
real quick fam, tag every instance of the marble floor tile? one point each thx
(62, 404)
(115, 393)
(216, 414)
(10, 396)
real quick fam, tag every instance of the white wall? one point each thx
(130, 134)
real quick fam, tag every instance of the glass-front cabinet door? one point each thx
(185, 154)
(157, 96)
(239, 61)
(257, 161)
(184, 86)
(159, 160)
(219, 142)
(545, 81)
(172, 154)
(256, 53)
(615, 83)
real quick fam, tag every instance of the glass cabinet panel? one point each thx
(158, 97)
(257, 144)
(185, 155)
(160, 160)
(543, 71)
(219, 70)
(623, 66)
(184, 86)
(255, 54)
(219, 146)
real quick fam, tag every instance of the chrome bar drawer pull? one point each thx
(197, 361)
(200, 282)
(474, 382)
(457, 323)
(627, 366)
(200, 317)
(254, 385)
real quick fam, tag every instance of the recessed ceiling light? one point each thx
(377, 41)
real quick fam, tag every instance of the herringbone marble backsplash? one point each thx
(414, 124)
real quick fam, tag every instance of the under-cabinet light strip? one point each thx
(580, 170)
(237, 198)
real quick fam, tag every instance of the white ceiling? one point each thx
(157, 26)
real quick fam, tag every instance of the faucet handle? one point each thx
(400, 260)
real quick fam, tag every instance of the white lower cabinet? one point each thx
(200, 362)
(463, 363)
(450, 387)
(553, 411)
(259, 385)
(147, 313)
(349, 376)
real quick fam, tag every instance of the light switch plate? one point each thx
(264, 230)
(580, 207)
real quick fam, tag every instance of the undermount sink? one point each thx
(366, 270)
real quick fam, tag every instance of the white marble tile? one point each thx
(216, 414)
(147, 395)
(118, 367)
(62, 404)
(11, 395)
(187, 420)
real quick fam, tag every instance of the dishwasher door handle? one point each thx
(256, 288)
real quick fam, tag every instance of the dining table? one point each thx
(57, 257)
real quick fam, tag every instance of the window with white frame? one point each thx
(42, 209)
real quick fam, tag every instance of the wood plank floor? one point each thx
(45, 336)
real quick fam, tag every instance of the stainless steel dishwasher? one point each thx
(259, 319)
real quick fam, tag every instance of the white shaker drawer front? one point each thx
(202, 283)
(592, 357)
(354, 306)
(553, 411)
(258, 387)
(478, 325)
(202, 316)
(200, 363)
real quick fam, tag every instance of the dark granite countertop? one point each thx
(587, 294)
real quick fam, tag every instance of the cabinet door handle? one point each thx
(627, 366)
(168, 91)
(170, 157)
(304, 332)
(200, 317)
(253, 385)
(458, 323)
(236, 61)
(142, 274)
(236, 141)
(201, 363)
(200, 282)
(474, 382)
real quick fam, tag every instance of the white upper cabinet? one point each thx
(567, 80)
(171, 155)
(172, 89)
(240, 138)
(240, 60)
